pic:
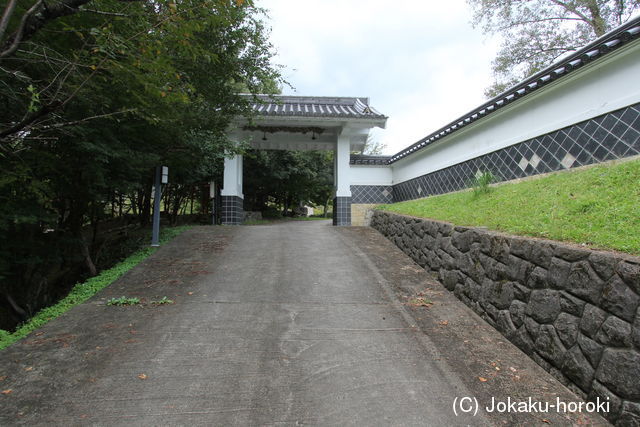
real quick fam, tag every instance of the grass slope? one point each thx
(597, 206)
(83, 291)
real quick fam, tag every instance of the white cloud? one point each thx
(420, 62)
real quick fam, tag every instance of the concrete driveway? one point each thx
(287, 324)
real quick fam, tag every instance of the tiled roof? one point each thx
(315, 106)
(360, 159)
(609, 42)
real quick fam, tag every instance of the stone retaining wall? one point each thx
(359, 212)
(573, 310)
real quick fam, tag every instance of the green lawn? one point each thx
(83, 291)
(597, 206)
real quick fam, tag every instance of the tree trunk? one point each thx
(17, 310)
(145, 211)
(205, 202)
(88, 262)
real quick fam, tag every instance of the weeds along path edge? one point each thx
(83, 291)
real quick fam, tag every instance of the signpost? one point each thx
(162, 177)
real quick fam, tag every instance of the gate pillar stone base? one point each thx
(342, 211)
(232, 212)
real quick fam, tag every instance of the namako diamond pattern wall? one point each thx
(615, 135)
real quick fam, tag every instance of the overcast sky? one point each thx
(421, 63)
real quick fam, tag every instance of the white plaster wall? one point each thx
(603, 86)
(371, 175)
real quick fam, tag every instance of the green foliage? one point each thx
(598, 207)
(286, 178)
(537, 32)
(35, 99)
(5, 337)
(164, 300)
(83, 291)
(124, 301)
(481, 183)
(373, 146)
(164, 56)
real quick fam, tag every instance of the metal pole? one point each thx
(155, 236)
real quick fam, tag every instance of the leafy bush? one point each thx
(481, 183)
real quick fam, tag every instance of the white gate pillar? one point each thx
(232, 198)
(342, 201)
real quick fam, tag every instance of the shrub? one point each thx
(481, 183)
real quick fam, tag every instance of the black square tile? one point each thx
(629, 116)
(609, 121)
(619, 148)
(600, 153)
(589, 127)
(631, 137)
(584, 158)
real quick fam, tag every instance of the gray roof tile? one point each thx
(363, 159)
(315, 106)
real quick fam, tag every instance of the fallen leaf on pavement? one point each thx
(420, 302)
(142, 376)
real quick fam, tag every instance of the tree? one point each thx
(373, 146)
(287, 178)
(535, 33)
(52, 53)
(94, 96)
